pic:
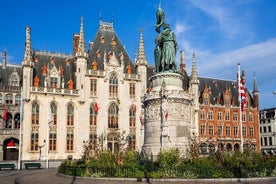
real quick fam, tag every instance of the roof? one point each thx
(107, 42)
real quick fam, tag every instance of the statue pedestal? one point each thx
(167, 114)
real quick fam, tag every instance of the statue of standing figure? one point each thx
(166, 46)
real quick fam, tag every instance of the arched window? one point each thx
(17, 100)
(14, 79)
(70, 115)
(113, 86)
(113, 116)
(132, 116)
(93, 114)
(9, 99)
(17, 121)
(1, 99)
(53, 113)
(35, 113)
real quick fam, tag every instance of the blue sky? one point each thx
(222, 33)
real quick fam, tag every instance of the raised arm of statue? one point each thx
(160, 19)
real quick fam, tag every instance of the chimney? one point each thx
(76, 38)
(4, 59)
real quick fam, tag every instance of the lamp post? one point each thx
(41, 146)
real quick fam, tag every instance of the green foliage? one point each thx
(170, 164)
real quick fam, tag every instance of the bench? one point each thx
(32, 165)
(7, 166)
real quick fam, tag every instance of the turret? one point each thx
(141, 63)
(4, 59)
(255, 93)
(27, 66)
(81, 63)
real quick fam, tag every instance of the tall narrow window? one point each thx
(132, 116)
(243, 117)
(244, 133)
(1, 99)
(54, 113)
(35, 113)
(93, 141)
(235, 116)
(251, 131)
(93, 114)
(210, 115)
(219, 116)
(236, 129)
(9, 99)
(228, 131)
(132, 90)
(34, 141)
(93, 87)
(220, 130)
(113, 116)
(250, 117)
(53, 142)
(202, 115)
(17, 100)
(132, 142)
(113, 86)
(202, 129)
(54, 82)
(70, 115)
(227, 116)
(70, 142)
(211, 130)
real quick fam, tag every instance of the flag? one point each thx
(5, 115)
(96, 107)
(243, 96)
(166, 114)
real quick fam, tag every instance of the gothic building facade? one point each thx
(100, 96)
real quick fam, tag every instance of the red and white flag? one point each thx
(96, 107)
(5, 115)
(242, 95)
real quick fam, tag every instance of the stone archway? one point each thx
(10, 149)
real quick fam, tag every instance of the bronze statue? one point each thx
(166, 46)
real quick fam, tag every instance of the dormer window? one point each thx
(14, 79)
(54, 82)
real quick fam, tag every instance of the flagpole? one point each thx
(20, 131)
(240, 105)
(47, 134)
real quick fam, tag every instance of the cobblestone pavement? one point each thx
(43, 176)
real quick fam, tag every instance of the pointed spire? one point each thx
(194, 70)
(28, 52)
(81, 46)
(141, 59)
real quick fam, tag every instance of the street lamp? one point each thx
(41, 146)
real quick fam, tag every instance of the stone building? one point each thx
(100, 96)
(268, 131)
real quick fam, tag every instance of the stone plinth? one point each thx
(168, 112)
